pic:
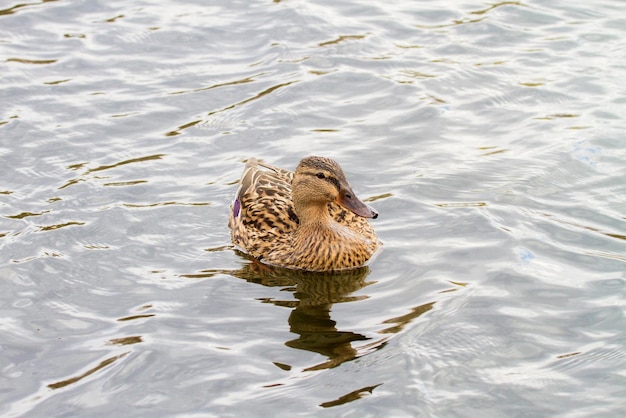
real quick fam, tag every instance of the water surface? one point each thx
(489, 137)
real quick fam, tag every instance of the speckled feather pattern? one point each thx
(264, 224)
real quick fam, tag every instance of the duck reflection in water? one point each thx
(315, 293)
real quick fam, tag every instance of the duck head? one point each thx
(318, 181)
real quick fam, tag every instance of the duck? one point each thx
(309, 219)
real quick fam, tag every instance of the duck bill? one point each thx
(348, 200)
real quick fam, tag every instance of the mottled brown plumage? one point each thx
(307, 220)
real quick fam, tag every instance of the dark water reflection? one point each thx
(313, 296)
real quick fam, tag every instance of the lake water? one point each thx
(489, 137)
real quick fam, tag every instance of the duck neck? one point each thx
(314, 216)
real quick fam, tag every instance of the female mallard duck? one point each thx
(299, 220)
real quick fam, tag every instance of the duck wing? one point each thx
(262, 213)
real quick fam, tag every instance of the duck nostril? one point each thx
(348, 196)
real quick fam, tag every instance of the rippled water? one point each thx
(489, 136)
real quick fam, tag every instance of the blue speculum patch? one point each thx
(236, 208)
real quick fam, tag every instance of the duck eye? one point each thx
(320, 175)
